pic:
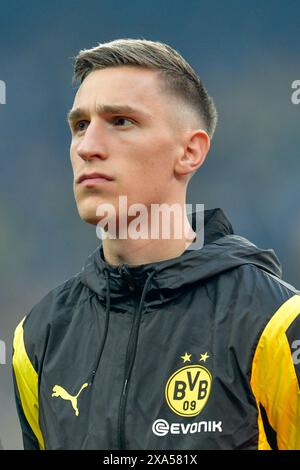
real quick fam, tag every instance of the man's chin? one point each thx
(89, 215)
(87, 209)
(90, 220)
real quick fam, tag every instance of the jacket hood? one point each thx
(222, 250)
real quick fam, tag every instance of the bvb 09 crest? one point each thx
(188, 389)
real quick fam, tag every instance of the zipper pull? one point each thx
(128, 277)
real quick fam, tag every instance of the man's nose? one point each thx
(92, 143)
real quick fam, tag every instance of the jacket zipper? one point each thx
(130, 358)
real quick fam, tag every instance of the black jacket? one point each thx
(195, 352)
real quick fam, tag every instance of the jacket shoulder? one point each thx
(267, 281)
(252, 288)
(262, 294)
(244, 300)
(56, 307)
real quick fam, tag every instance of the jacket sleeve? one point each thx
(275, 379)
(25, 380)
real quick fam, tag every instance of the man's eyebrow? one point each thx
(79, 113)
(75, 114)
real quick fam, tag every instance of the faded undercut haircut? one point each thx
(178, 78)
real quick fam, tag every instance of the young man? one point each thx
(155, 345)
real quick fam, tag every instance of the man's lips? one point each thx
(93, 178)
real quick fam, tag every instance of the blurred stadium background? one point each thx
(246, 52)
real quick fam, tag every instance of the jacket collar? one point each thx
(222, 250)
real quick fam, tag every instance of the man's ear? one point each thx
(196, 147)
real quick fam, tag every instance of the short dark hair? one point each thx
(178, 77)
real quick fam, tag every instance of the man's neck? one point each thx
(143, 251)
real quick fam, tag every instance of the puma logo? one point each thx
(58, 391)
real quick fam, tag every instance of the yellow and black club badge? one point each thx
(188, 389)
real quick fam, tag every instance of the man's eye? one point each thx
(81, 125)
(121, 120)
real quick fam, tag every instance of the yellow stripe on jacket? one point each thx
(274, 381)
(27, 383)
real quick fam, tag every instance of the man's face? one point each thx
(136, 149)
